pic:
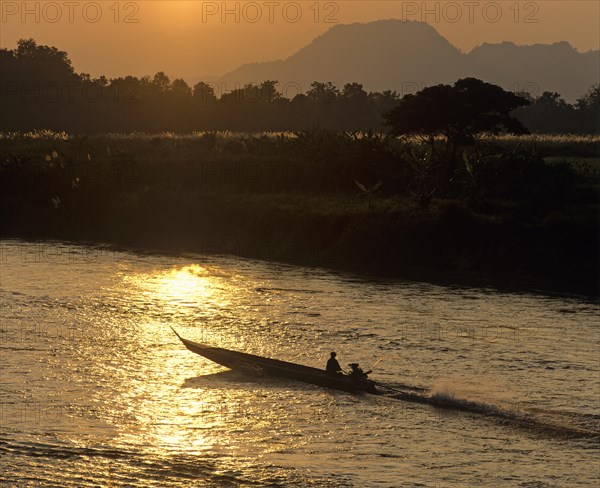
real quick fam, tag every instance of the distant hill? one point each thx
(398, 55)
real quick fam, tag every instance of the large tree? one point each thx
(458, 112)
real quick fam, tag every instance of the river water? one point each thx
(96, 390)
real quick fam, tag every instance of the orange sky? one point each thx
(192, 39)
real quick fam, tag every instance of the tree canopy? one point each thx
(458, 112)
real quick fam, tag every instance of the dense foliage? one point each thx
(516, 211)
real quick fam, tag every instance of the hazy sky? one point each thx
(192, 39)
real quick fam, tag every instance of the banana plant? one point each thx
(424, 168)
(368, 192)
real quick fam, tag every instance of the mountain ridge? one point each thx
(381, 56)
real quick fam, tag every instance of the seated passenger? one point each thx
(333, 367)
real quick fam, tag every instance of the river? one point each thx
(96, 390)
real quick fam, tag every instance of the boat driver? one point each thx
(357, 374)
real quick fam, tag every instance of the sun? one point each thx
(180, 11)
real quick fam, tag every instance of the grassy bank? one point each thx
(294, 198)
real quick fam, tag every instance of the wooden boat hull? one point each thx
(258, 365)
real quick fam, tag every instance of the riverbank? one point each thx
(521, 222)
(448, 243)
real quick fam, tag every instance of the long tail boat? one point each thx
(259, 365)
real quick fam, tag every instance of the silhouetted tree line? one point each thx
(551, 114)
(39, 89)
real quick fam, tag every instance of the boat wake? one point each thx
(547, 422)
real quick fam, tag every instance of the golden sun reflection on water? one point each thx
(187, 282)
(188, 292)
(169, 415)
(185, 285)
